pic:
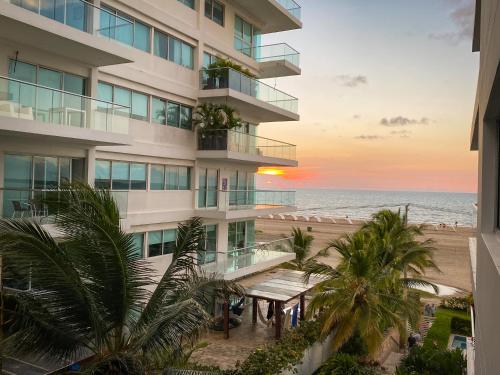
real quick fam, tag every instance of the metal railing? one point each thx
(231, 140)
(240, 258)
(228, 78)
(26, 203)
(291, 7)
(228, 200)
(83, 16)
(29, 101)
(273, 52)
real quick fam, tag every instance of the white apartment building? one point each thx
(485, 248)
(104, 92)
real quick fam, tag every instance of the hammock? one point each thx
(262, 318)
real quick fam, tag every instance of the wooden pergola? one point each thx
(283, 287)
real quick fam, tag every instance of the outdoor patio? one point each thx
(253, 333)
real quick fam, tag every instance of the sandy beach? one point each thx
(451, 256)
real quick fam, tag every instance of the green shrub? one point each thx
(461, 326)
(354, 346)
(432, 361)
(457, 303)
(283, 355)
(440, 331)
(345, 364)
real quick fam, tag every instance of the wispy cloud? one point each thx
(403, 121)
(462, 15)
(401, 133)
(369, 137)
(351, 81)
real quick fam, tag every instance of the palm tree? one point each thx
(299, 243)
(89, 296)
(358, 295)
(399, 249)
(210, 117)
(397, 245)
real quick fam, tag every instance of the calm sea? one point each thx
(425, 207)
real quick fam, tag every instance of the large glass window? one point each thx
(135, 104)
(215, 11)
(102, 174)
(157, 177)
(155, 243)
(123, 28)
(169, 238)
(208, 187)
(137, 176)
(158, 114)
(119, 175)
(139, 244)
(140, 104)
(189, 3)
(173, 114)
(209, 255)
(246, 37)
(161, 242)
(242, 188)
(173, 49)
(48, 105)
(241, 234)
(27, 177)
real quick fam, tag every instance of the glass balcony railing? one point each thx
(291, 7)
(228, 200)
(230, 140)
(273, 52)
(29, 101)
(228, 78)
(256, 199)
(237, 259)
(26, 203)
(83, 16)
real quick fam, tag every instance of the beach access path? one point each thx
(451, 256)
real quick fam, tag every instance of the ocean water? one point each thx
(424, 207)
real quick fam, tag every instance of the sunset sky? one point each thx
(386, 96)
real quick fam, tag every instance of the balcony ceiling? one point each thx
(43, 132)
(248, 107)
(244, 158)
(273, 16)
(23, 27)
(278, 68)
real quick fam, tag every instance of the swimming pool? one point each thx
(459, 342)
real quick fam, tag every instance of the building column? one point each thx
(277, 318)
(222, 231)
(255, 302)
(90, 167)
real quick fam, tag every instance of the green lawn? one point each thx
(440, 331)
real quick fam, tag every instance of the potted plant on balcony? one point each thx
(217, 73)
(213, 121)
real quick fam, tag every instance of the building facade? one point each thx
(485, 139)
(105, 91)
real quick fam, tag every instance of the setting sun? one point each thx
(271, 171)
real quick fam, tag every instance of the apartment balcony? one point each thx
(275, 60)
(67, 27)
(39, 112)
(224, 145)
(259, 257)
(23, 203)
(250, 97)
(277, 15)
(240, 204)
